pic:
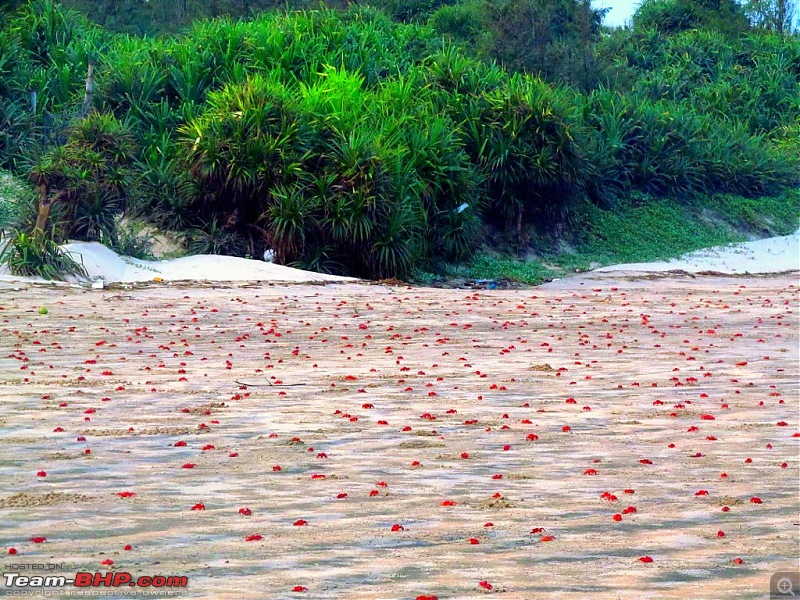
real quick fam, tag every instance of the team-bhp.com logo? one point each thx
(83, 579)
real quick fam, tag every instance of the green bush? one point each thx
(752, 79)
(249, 139)
(211, 238)
(524, 138)
(461, 22)
(15, 195)
(328, 173)
(666, 149)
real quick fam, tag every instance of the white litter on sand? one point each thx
(770, 255)
(102, 263)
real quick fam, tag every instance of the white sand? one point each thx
(103, 263)
(697, 376)
(770, 255)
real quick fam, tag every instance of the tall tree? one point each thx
(552, 38)
(774, 15)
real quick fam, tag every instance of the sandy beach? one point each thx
(391, 442)
(467, 394)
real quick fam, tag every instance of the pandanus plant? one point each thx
(247, 142)
(90, 172)
(524, 138)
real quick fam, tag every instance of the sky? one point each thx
(621, 10)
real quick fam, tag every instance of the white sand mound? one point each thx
(770, 255)
(103, 263)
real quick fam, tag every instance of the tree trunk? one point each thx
(45, 206)
(89, 93)
(44, 209)
(783, 19)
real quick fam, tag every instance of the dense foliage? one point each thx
(38, 255)
(350, 142)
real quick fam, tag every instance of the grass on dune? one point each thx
(645, 230)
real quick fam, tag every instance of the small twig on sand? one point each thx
(269, 384)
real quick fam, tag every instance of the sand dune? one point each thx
(770, 255)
